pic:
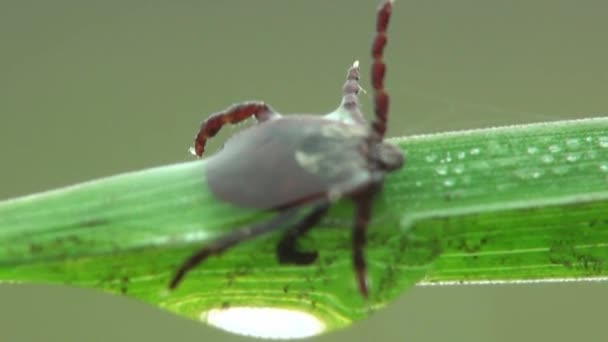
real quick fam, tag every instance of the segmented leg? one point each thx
(351, 89)
(286, 249)
(223, 243)
(363, 210)
(234, 114)
(381, 99)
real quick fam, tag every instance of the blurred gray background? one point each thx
(95, 88)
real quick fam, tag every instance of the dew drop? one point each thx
(572, 143)
(418, 183)
(449, 182)
(475, 151)
(572, 157)
(547, 158)
(481, 165)
(448, 158)
(527, 174)
(532, 150)
(588, 139)
(554, 148)
(431, 157)
(536, 174)
(604, 167)
(603, 142)
(441, 170)
(461, 155)
(458, 169)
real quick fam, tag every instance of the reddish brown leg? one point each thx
(363, 209)
(351, 89)
(225, 242)
(378, 69)
(287, 252)
(236, 113)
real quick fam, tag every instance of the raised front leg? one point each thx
(234, 114)
(379, 68)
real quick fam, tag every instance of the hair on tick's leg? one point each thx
(287, 252)
(230, 240)
(234, 114)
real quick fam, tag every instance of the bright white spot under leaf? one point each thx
(264, 322)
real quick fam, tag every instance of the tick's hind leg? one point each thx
(287, 252)
(234, 114)
(225, 242)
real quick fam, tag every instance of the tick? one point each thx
(298, 165)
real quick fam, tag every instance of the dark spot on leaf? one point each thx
(470, 245)
(329, 260)
(35, 248)
(91, 223)
(124, 284)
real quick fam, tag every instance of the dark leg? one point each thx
(286, 249)
(351, 89)
(227, 241)
(234, 114)
(363, 202)
(379, 68)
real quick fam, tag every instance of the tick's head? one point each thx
(388, 157)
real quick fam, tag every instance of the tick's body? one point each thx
(291, 160)
(302, 162)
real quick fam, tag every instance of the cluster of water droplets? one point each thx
(560, 159)
(450, 166)
(453, 168)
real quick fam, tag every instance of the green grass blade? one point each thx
(516, 203)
